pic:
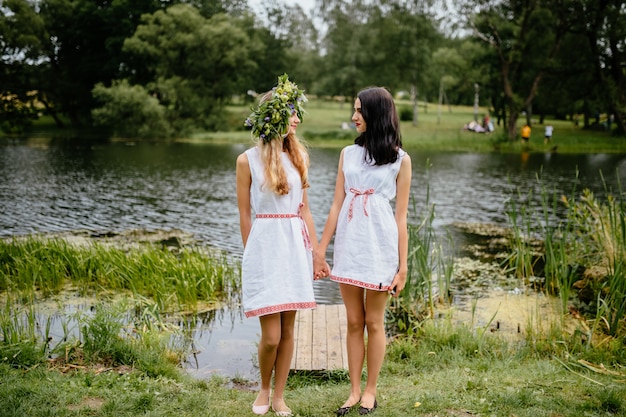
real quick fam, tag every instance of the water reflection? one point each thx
(49, 186)
(220, 341)
(103, 187)
(224, 343)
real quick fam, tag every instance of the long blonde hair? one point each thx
(275, 176)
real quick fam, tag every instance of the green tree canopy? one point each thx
(21, 34)
(193, 62)
(526, 36)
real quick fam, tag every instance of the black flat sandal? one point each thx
(365, 410)
(342, 411)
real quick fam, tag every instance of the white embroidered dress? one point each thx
(366, 238)
(277, 265)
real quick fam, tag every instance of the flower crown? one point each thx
(271, 119)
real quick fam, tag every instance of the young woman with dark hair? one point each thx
(371, 240)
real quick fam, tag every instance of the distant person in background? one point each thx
(548, 134)
(526, 133)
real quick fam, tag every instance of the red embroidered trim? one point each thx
(275, 216)
(356, 192)
(361, 284)
(305, 231)
(280, 307)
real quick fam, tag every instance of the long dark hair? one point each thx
(381, 138)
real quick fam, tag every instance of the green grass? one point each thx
(441, 372)
(443, 132)
(185, 279)
(442, 369)
(438, 129)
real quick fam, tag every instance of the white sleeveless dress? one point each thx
(366, 238)
(277, 264)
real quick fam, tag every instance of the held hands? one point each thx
(321, 269)
(324, 272)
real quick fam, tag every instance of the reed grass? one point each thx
(430, 270)
(108, 337)
(174, 280)
(583, 242)
(21, 346)
(151, 284)
(442, 366)
(552, 247)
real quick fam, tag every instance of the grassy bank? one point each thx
(174, 279)
(126, 365)
(444, 372)
(440, 368)
(437, 129)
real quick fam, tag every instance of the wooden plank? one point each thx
(320, 339)
(319, 359)
(305, 340)
(343, 332)
(334, 337)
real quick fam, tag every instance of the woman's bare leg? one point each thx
(268, 348)
(283, 360)
(375, 303)
(355, 342)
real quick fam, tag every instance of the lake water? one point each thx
(57, 186)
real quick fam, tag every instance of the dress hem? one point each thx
(280, 308)
(362, 284)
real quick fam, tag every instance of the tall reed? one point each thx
(174, 280)
(521, 260)
(579, 234)
(430, 269)
(24, 341)
(603, 231)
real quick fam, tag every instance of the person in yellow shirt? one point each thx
(526, 133)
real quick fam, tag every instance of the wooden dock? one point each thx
(320, 339)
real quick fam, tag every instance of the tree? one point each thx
(569, 86)
(293, 36)
(348, 46)
(405, 38)
(603, 23)
(194, 63)
(526, 35)
(268, 49)
(82, 46)
(208, 8)
(21, 31)
(386, 43)
(130, 111)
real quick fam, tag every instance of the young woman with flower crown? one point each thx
(277, 265)
(371, 240)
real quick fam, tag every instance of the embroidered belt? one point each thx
(305, 231)
(356, 193)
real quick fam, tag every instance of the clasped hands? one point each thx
(321, 269)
